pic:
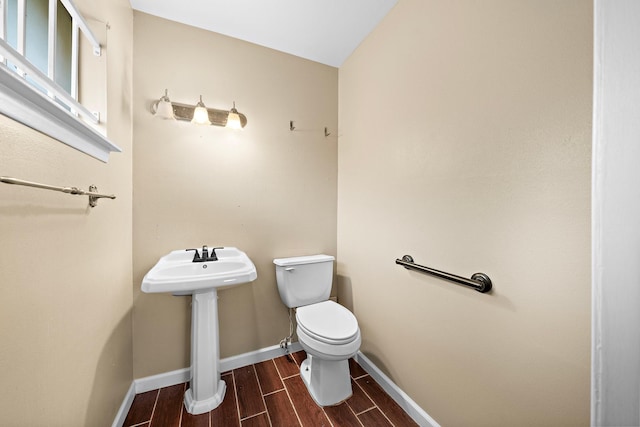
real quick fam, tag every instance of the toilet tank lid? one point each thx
(311, 259)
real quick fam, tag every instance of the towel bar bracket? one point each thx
(93, 200)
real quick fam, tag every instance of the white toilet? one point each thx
(327, 331)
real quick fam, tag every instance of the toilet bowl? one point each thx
(330, 335)
(327, 331)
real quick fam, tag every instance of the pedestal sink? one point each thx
(176, 273)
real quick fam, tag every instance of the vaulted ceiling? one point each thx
(325, 31)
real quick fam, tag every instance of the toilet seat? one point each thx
(328, 322)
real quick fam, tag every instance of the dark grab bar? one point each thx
(479, 281)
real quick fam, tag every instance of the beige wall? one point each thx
(65, 269)
(465, 142)
(267, 190)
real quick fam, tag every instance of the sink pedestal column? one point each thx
(206, 389)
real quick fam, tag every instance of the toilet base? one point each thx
(328, 381)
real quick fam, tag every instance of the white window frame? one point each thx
(24, 103)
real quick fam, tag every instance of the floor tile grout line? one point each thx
(295, 411)
(370, 399)
(327, 416)
(290, 376)
(181, 406)
(254, 415)
(155, 403)
(273, 392)
(293, 359)
(278, 370)
(376, 404)
(273, 362)
(292, 405)
(355, 415)
(381, 411)
(184, 408)
(366, 410)
(235, 393)
(358, 385)
(264, 402)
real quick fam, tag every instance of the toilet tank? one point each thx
(304, 280)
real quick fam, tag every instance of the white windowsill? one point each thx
(21, 102)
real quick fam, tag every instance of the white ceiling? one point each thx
(325, 31)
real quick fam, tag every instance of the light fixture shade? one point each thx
(233, 121)
(233, 118)
(164, 108)
(200, 114)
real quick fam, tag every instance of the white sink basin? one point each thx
(177, 274)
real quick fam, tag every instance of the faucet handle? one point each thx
(196, 256)
(214, 256)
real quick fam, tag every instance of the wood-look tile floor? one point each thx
(271, 393)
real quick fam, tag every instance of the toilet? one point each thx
(327, 331)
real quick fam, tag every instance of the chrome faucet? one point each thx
(205, 254)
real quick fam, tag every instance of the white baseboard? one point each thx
(124, 408)
(246, 359)
(183, 375)
(401, 398)
(167, 379)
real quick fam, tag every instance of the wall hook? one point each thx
(326, 132)
(291, 126)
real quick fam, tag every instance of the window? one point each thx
(39, 49)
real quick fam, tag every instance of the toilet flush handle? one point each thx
(289, 269)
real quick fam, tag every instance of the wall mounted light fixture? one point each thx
(199, 113)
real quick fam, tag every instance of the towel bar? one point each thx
(93, 196)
